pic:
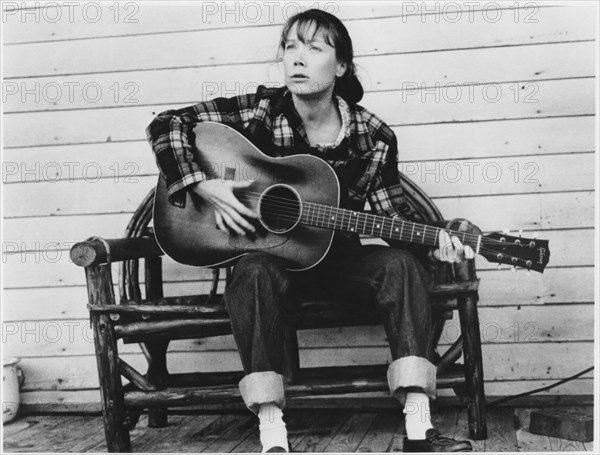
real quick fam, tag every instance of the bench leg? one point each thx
(469, 323)
(156, 350)
(100, 292)
(111, 390)
(157, 374)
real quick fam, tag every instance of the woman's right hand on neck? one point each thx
(230, 213)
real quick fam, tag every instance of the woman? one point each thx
(316, 112)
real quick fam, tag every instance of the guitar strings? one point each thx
(434, 238)
(472, 237)
(431, 237)
(291, 208)
(482, 248)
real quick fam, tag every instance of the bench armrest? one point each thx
(97, 250)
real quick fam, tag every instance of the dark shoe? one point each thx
(435, 442)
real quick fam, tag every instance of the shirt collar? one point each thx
(345, 129)
(282, 104)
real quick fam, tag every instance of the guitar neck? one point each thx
(345, 220)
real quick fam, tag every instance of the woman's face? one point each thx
(311, 67)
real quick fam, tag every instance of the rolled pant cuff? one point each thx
(411, 371)
(260, 388)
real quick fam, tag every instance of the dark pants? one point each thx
(390, 281)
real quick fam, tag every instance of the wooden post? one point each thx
(157, 350)
(100, 292)
(469, 324)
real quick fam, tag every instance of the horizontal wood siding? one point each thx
(494, 113)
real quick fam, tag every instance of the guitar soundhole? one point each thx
(279, 208)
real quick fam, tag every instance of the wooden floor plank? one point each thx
(233, 435)
(462, 431)
(326, 425)
(529, 442)
(180, 430)
(251, 444)
(19, 424)
(397, 442)
(139, 431)
(299, 423)
(589, 446)
(38, 433)
(351, 433)
(198, 437)
(98, 443)
(309, 430)
(83, 435)
(502, 435)
(380, 433)
(192, 434)
(180, 437)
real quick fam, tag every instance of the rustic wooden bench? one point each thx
(154, 320)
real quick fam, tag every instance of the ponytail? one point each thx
(349, 87)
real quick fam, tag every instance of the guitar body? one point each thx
(190, 235)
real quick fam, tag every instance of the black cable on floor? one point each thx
(512, 397)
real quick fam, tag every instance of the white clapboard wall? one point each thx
(494, 113)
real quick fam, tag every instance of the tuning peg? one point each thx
(499, 267)
(535, 234)
(520, 232)
(514, 269)
(506, 231)
(528, 272)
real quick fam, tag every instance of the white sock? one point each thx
(417, 415)
(272, 427)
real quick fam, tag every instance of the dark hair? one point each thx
(336, 35)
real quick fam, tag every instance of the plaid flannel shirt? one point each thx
(365, 161)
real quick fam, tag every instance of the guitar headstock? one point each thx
(532, 254)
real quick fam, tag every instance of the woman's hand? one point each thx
(451, 249)
(229, 211)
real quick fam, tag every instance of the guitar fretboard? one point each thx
(339, 219)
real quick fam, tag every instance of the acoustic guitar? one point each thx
(297, 201)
